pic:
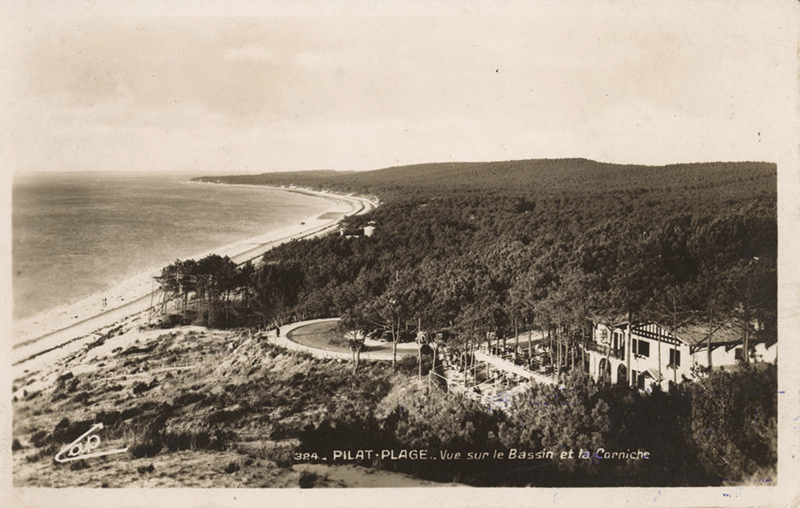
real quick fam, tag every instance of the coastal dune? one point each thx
(46, 337)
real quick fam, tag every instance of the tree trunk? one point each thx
(530, 340)
(608, 351)
(550, 352)
(466, 363)
(560, 355)
(395, 338)
(629, 347)
(583, 349)
(572, 358)
(746, 338)
(710, 333)
(675, 368)
(659, 356)
(419, 345)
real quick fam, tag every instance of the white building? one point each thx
(658, 355)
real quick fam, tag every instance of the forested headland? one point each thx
(470, 251)
(492, 247)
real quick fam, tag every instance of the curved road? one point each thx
(377, 350)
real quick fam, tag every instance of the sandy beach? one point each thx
(44, 332)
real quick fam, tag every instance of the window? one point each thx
(738, 354)
(641, 348)
(674, 358)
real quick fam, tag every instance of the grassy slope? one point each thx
(229, 419)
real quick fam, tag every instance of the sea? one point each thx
(77, 234)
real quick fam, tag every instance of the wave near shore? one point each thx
(27, 334)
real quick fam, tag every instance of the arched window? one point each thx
(622, 374)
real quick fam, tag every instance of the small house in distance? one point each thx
(348, 231)
(661, 356)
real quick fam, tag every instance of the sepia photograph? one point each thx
(362, 253)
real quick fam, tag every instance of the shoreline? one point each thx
(56, 327)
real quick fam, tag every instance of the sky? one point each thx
(283, 86)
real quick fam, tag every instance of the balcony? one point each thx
(618, 354)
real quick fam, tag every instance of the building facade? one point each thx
(656, 355)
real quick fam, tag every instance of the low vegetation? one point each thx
(249, 408)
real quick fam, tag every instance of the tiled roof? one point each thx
(695, 332)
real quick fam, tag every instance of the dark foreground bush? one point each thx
(721, 429)
(48, 452)
(307, 479)
(149, 446)
(66, 432)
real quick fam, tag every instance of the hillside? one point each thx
(194, 407)
(541, 178)
(495, 244)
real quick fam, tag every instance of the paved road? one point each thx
(378, 350)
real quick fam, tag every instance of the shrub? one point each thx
(150, 439)
(307, 479)
(170, 321)
(148, 446)
(282, 456)
(66, 432)
(40, 438)
(188, 398)
(131, 412)
(108, 418)
(78, 465)
(408, 365)
(49, 451)
(733, 421)
(187, 440)
(141, 387)
(145, 469)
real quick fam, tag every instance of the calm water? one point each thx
(76, 234)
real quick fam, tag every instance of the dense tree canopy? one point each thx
(477, 250)
(487, 246)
